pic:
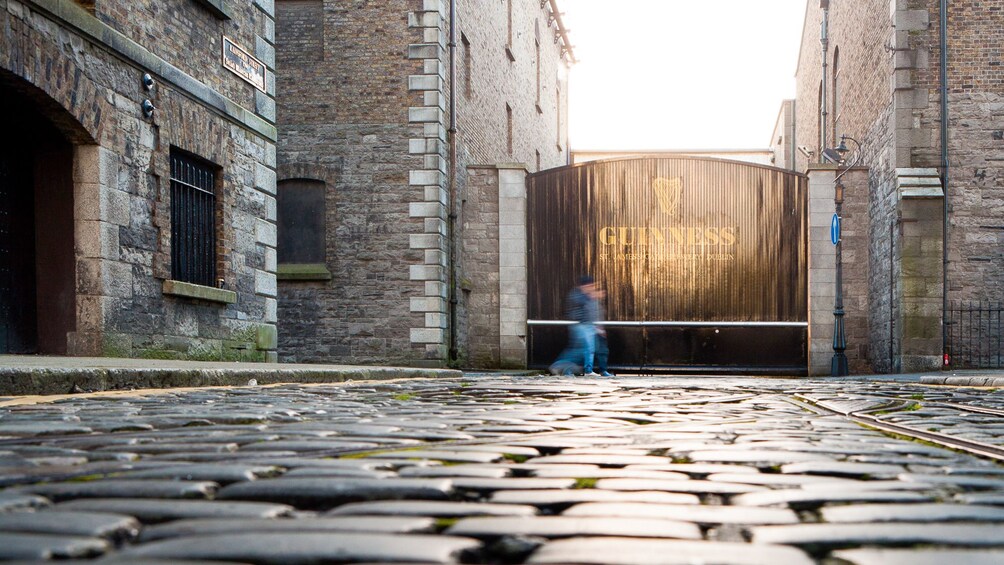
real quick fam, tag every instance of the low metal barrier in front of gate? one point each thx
(718, 347)
(974, 330)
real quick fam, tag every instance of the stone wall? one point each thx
(856, 267)
(344, 120)
(878, 89)
(370, 118)
(189, 33)
(89, 84)
(975, 146)
(480, 285)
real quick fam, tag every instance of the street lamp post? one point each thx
(838, 364)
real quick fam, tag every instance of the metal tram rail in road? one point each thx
(867, 418)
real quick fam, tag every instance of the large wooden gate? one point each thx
(704, 262)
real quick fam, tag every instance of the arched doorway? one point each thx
(37, 267)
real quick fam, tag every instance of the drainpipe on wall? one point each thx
(452, 186)
(824, 39)
(944, 177)
(794, 141)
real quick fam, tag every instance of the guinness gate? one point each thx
(704, 262)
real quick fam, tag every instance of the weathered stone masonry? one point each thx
(84, 63)
(366, 111)
(891, 100)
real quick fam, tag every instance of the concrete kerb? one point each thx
(46, 376)
(992, 381)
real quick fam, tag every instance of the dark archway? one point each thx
(704, 262)
(37, 261)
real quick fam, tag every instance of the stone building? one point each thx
(923, 202)
(137, 184)
(406, 129)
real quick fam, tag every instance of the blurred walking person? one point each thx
(602, 351)
(583, 309)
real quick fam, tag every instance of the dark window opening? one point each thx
(301, 221)
(508, 37)
(537, 65)
(836, 96)
(508, 120)
(466, 64)
(193, 220)
(557, 105)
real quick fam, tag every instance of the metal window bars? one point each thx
(193, 220)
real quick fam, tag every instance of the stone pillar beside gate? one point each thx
(512, 266)
(822, 268)
(493, 277)
(921, 227)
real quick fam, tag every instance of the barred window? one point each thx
(193, 220)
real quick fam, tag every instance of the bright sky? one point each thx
(680, 74)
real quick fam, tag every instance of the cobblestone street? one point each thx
(490, 469)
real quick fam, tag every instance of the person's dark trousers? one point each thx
(601, 354)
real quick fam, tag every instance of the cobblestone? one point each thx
(506, 470)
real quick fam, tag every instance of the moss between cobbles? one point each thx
(911, 407)
(585, 483)
(442, 524)
(902, 437)
(85, 478)
(515, 458)
(404, 397)
(361, 455)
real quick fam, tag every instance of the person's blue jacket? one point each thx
(581, 307)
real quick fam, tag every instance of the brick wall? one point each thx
(343, 119)
(528, 75)
(370, 119)
(496, 79)
(121, 175)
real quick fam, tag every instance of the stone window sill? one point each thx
(303, 272)
(199, 292)
(217, 7)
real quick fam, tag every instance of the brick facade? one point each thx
(368, 114)
(80, 66)
(889, 98)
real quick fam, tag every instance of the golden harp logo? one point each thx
(668, 192)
